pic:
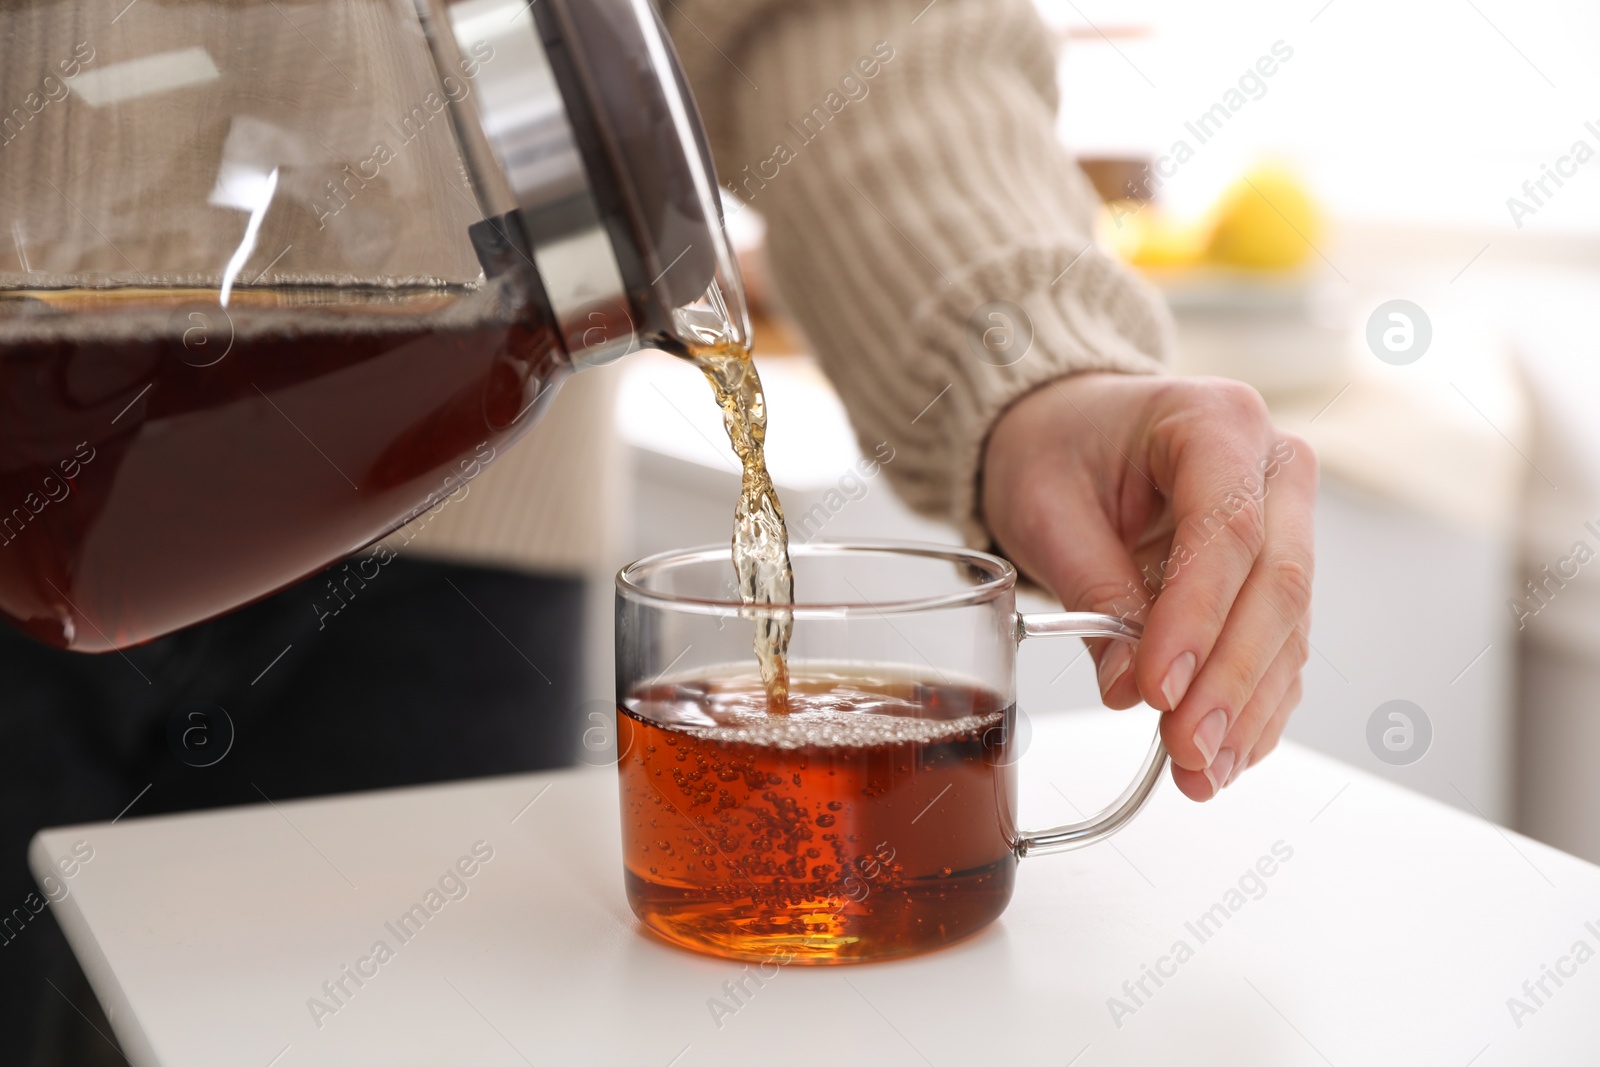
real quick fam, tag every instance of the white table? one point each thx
(1394, 934)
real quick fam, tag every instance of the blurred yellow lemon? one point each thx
(1144, 235)
(1266, 221)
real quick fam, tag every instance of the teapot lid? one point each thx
(591, 160)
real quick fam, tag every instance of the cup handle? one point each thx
(1122, 810)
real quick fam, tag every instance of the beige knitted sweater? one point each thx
(903, 154)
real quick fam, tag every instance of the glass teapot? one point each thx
(283, 275)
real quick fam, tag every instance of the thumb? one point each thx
(1074, 552)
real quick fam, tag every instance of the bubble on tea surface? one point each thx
(837, 717)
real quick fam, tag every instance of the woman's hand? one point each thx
(1108, 488)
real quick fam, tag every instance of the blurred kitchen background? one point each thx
(1338, 155)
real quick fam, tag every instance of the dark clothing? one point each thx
(432, 671)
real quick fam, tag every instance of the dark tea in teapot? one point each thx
(164, 459)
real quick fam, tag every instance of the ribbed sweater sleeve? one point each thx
(904, 157)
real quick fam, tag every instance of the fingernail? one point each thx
(1220, 769)
(1179, 675)
(1208, 735)
(1113, 665)
(1239, 767)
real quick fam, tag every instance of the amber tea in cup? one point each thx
(867, 820)
(875, 816)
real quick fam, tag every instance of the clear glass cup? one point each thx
(877, 817)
